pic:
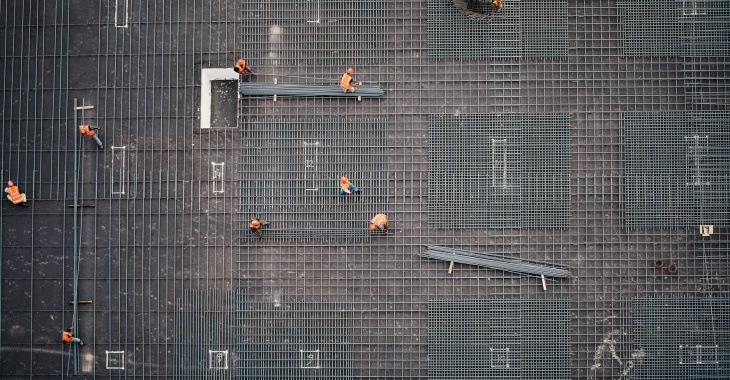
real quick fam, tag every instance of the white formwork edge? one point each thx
(206, 77)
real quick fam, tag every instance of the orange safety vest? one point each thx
(85, 130)
(15, 195)
(346, 81)
(66, 337)
(379, 220)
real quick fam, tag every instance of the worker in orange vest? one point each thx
(15, 195)
(88, 131)
(243, 69)
(347, 187)
(255, 224)
(347, 82)
(496, 6)
(379, 221)
(67, 336)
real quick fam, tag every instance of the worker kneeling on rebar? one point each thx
(88, 131)
(347, 187)
(15, 196)
(347, 82)
(379, 222)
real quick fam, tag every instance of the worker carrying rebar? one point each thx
(255, 224)
(67, 336)
(347, 187)
(243, 69)
(379, 222)
(15, 196)
(347, 82)
(88, 131)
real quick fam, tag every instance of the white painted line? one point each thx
(206, 77)
(119, 169)
(217, 177)
(309, 359)
(121, 13)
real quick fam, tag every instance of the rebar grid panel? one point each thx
(677, 168)
(675, 28)
(511, 33)
(295, 340)
(313, 32)
(499, 339)
(502, 170)
(290, 171)
(205, 334)
(682, 338)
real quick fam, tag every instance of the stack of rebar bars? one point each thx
(306, 89)
(505, 263)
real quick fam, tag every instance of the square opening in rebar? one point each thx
(499, 357)
(114, 359)
(218, 359)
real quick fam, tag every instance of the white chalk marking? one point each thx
(121, 13)
(119, 169)
(114, 359)
(217, 177)
(309, 359)
(218, 359)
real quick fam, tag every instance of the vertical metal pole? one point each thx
(76, 227)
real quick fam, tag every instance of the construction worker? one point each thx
(347, 82)
(347, 187)
(495, 6)
(67, 336)
(380, 222)
(243, 69)
(255, 224)
(15, 195)
(89, 131)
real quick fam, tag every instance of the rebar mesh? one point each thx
(677, 28)
(684, 338)
(295, 341)
(290, 171)
(501, 170)
(311, 32)
(677, 168)
(498, 339)
(507, 34)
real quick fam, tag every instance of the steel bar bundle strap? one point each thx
(304, 89)
(505, 263)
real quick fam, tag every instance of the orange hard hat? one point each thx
(372, 227)
(255, 223)
(343, 179)
(10, 183)
(350, 70)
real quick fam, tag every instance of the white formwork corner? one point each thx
(206, 77)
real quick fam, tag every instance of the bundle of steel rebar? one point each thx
(505, 263)
(318, 232)
(307, 89)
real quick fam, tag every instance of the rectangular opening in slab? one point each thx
(217, 177)
(121, 13)
(310, 159)
(218, 359)
(309, 359)
(499, 357)
(119, 169)
(114, 359)
(209, 105)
